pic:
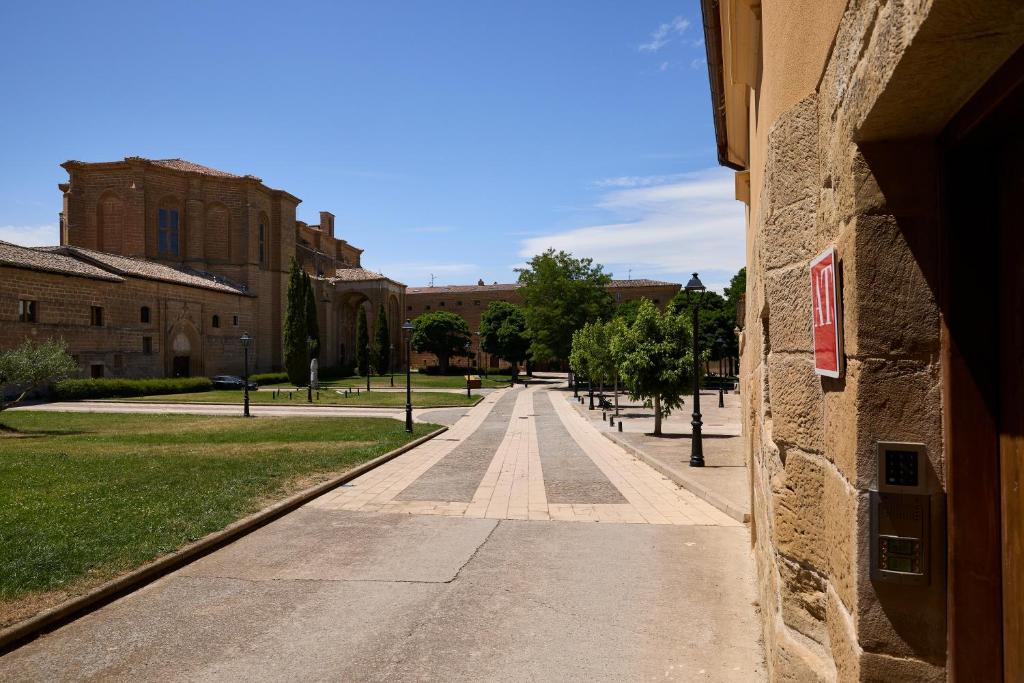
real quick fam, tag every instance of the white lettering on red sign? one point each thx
(825, 314)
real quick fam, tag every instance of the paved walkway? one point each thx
(519, 545)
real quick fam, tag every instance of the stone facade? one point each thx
(470, 301)
(189, 243)
(831, 112)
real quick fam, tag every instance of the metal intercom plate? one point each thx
(901, 515)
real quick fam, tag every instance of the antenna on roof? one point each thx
(431, 279)
(629, 274)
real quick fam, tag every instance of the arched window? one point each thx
(168, 221)
(144, 314)
(110, 224)
(217, 234)
(216, 321)
(263, 239)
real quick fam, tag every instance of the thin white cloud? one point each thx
(664, 66)
(664, 34)
(30, 235)
(636, 180)
(690, 223)
(698, 63)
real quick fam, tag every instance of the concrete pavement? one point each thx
(545, 553)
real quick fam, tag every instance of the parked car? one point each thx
(230, 382)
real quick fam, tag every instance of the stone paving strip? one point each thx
(570, 476)
(515, 485)
(456, 477)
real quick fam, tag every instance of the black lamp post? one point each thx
(391, 363)
(309, 360)
(694, 294)
(720, 345)
(368, 370)
(246, 341)
(407, 329)
(469, 345)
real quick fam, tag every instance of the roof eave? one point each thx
(712, 19)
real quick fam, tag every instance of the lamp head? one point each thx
(694, 285)
(245, 339)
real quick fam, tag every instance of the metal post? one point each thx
(245, 381)
(368, 371)
(408, 380)
(696, 441)
(721, 398)
(391, 363)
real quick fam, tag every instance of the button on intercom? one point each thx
(901, 515)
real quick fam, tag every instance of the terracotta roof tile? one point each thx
(511, 287)
(192, 167)
(151, 270)
(641, 282)
(51, 261)
(355, 275)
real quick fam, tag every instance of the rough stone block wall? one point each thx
(812, 439)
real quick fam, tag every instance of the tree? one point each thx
(32, 365)
(312, 325)
(715, 322)
(296, 351)
(362, 342)
(441, 333)
(381, 343)
(503, 333)
(561, 293)
(591, 354)
(654, 360)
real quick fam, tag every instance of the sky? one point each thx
(452, 139)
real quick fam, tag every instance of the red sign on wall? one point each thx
(825, 314)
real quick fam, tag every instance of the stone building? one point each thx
(180, 259)
(470, 301)
(889, 131)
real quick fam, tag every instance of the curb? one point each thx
(271, 405)
(690, 485)
(14, 636)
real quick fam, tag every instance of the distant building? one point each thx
(162, 265)
(470, 301)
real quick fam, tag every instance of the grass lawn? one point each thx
(374, 399)
(85, 497)
(419, 381)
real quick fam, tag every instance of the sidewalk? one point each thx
(723, 481)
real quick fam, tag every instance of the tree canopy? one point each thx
(32, 365)
(591, 355)
(503, 333)
(362, 342)
(561, 294)
(441, 333)
(654, 359)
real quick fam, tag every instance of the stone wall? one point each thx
(64, 305)
(818, 178)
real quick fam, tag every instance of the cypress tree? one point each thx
(296, 363)
(362, 339)
(381, 343)
(312, 326)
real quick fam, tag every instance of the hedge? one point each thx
(78, 389)
(269, 378)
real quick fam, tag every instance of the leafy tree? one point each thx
(654, 360)
(503, 333)
(715, 322)
(591, 354)
(312, 325)
(362, 341)
(32, 365)
(296, 329)
(627, 311)
(381, 343)
(441, 333)
(561, 293)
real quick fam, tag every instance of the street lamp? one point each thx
(310, 342)
(720, 344)
(407, 329)
(391, 363)
(469, 345)
(694, 294)
(246, 341)
(368, 370)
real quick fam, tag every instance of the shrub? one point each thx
(79, 389)
(269, 378)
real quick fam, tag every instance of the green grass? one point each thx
(85, 497)
(374, 399)
(419, 381)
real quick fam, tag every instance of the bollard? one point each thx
(289, 395)
(318, 395)
(611, 421)
(604, 416)
(620, 425)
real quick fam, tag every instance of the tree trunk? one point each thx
(657, 415)
(442, 362)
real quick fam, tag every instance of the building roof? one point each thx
(151, 270)
(356, 275)
(49, 261)
(192, 167)
(511, 287)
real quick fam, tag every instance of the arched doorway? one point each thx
(185, 357)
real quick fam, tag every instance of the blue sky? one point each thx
(453, 138)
